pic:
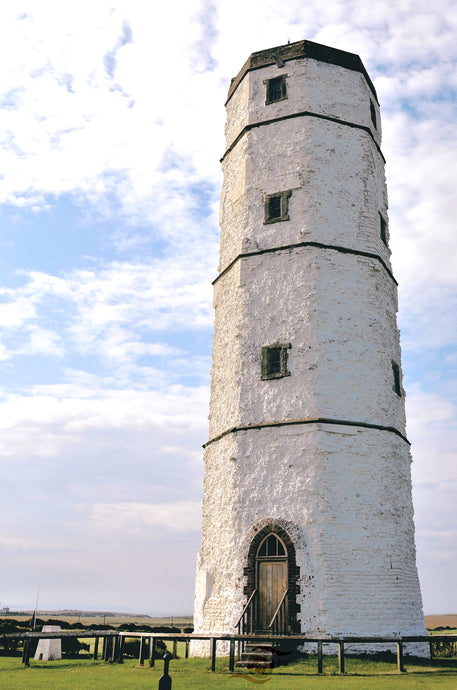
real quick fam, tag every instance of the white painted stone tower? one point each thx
(307, 490)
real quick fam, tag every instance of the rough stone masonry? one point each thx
(307, 438)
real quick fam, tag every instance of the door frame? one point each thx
(265, 561)
(293, 571)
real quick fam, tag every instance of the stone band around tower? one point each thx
(297, 245)
(304, 113)
(317, 420)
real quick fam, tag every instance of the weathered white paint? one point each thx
(342, 493)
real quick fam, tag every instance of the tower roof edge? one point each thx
(300, 49)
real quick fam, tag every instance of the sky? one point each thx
(111, 130)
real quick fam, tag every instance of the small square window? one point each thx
(274, 361)
(276, 89)
(277, 207)
(274, 207)
(396, 375)
(373, 114)
(383, 229)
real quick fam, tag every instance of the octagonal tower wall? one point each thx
(318, 451)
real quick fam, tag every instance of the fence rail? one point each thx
(113, 642)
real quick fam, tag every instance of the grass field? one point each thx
(195, 673)
(85, 673)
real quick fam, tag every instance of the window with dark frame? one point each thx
(396, 375)
(274, 361)
(373, 114)
(383, 229)
(276, 89)
(277, 207)
(272, 547)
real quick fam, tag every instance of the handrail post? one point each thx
(340, 657)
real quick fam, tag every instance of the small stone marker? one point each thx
(47, 650)
(165, 680)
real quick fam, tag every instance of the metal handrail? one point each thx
(241, 625)
(279, 610)
(246, 608)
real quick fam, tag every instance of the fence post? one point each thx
(152, 649)
(232, 655)
(340, 657)
(319, 656)
(26, 653)
(140, 653)
(175, 649)
(114, 648)
(187, 649)
(120, 657)
(400, 664)
(213, 653)
(96, 647)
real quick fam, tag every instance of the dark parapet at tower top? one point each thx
(300, 49)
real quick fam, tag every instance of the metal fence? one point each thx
(112, 647)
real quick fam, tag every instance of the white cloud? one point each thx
(108, 312)
(120, 108)
(181, 516)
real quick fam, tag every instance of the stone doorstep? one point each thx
(257, 656)
(254, 664)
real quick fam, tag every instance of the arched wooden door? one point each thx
(271, 578)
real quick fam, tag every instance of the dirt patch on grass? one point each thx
(443, 620)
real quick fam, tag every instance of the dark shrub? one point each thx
(100, 626)
(443, 648)
(10, 646)
(134, 627)
(53, 621)
(71, 647)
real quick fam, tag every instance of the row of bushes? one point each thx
(72, 647)
(11, 625)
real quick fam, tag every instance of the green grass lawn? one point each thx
(195, 673)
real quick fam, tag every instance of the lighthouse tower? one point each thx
(307, 510)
